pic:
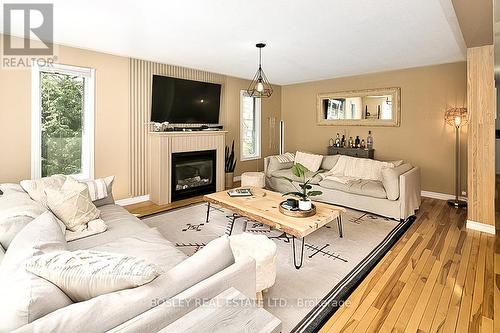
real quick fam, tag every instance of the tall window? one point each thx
(62, 121)
(249, 127)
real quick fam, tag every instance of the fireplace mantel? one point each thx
(164, 144)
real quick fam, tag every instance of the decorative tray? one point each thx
(295, 212)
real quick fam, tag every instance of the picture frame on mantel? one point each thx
(368, 107)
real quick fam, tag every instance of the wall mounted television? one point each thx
(180, 101)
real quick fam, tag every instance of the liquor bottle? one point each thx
(337, 141)
(342, 141)
(356, 142)
(369, 140)
(351, 143)
(362, 145)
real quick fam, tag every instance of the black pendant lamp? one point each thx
(260, 86)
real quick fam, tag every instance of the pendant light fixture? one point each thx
(260, 86)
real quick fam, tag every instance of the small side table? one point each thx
(263, 250)
(230, 311)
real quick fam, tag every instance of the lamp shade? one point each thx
(456, 116)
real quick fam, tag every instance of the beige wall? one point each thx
(270, 107)
(111, 117)
(423, 139)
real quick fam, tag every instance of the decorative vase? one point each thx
(229, 180)
(305, 204)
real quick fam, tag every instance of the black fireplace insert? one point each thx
(193, 173)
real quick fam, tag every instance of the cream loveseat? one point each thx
(186, 281)
(396, 195)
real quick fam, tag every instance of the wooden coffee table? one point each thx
(262, 207)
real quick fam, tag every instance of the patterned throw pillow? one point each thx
(99, 188)
(285, 158)
(85, 274)
(72, 204)
(36, 187)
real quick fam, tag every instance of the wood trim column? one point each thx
(481, 135)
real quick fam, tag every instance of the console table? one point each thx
(354, 152)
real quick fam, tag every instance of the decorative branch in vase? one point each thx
(229, 165)
(304, 191)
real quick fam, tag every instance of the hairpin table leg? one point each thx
(234, 217)
(208, 212)
(341, 228)
(298, 266)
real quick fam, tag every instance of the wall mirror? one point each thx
(372, 107)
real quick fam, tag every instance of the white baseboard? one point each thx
(236, 178)
(440, 196)
(473, 225)
(134, 200)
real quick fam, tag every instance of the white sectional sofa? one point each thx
(396, 196)
(187, 281)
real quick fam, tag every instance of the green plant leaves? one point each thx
(306, 186)
(299, 170)
(314, 193)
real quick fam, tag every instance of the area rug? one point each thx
(302, 299)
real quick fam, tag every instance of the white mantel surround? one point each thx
(164, 144)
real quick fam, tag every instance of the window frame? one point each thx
(88, 129)
(257, 107)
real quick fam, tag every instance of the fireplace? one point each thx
(193, 173)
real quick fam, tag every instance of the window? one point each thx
(249, 127)
(62, 121)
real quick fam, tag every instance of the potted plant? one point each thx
(229, 165)
(305, 191)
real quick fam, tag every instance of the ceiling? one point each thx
(307, 40)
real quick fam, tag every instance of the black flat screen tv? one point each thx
(180, 101)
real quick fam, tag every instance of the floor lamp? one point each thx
(457, 117)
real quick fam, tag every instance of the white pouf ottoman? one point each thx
(263, 250)
(255, 179)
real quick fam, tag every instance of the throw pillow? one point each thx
(72, 204)
(94, 227)
(358, 168)
(43, 234)
(286, 157)
(85, 274)
(101, 190)
(279, 162)
(17, 209)
(390, 180)
(25, 297)
(36, 187)
(329, 161)
(311, 161)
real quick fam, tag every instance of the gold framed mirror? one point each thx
(370, 107)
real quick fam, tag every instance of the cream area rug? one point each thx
(302, 299)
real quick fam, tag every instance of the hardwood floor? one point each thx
(146, 208)
(439, 277)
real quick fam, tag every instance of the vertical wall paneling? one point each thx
(141, 73)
